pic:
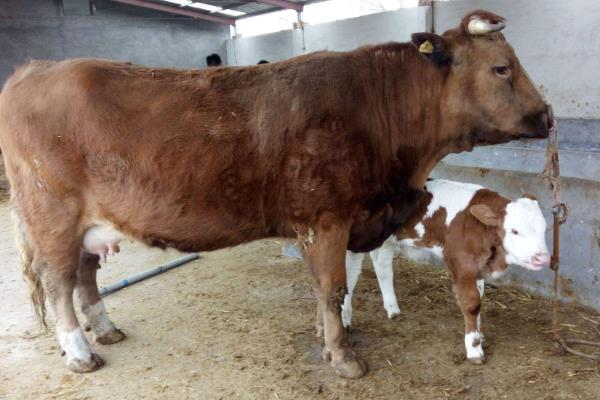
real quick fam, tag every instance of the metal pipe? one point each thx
(300, 25)
(105, 291)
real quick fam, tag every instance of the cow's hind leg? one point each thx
(59, 278)
(50, 227)
(92, 305)
(324, 251)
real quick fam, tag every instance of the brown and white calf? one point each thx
(476, 232)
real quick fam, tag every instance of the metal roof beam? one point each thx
(179, 11)
(283, 4)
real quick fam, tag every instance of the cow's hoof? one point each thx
(79, 365)
(350, 367)
(477, 360)
(111, 337)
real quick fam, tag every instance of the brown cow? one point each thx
(332, 148)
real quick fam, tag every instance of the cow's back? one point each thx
(160, 154)
(129, 143)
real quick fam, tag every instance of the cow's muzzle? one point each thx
(538, 125)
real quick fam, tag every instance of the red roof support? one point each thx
(283, 4)
(179, 11)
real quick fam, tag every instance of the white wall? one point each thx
(339, 35)
(271, 47)
(557, 41)
(370, 29)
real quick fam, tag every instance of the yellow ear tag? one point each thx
(426, 47)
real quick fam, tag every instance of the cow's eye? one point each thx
(501, 70)
(514, 232)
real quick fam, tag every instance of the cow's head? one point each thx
(523, 230)
(487, 93)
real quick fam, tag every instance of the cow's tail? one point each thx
(36, 289)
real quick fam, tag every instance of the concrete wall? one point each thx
(272, 47)
(370, 29)
(44, 29)
(555, 40)
(339, 35)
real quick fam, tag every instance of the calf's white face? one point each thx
(525, 235)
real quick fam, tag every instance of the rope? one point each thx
(560, 213)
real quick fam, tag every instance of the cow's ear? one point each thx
(485, 215)
(529, 196)
(433, 47)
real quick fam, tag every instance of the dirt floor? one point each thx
(237, 324)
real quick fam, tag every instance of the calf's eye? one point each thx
(501, 70)
(514, 232)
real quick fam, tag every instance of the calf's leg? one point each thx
(481, 290)
(324, 248)
(468, 297)
(92, 305)
(353, 268)
(383, 259)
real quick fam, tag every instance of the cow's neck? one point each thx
(412, 122)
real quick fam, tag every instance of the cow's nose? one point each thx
(545, 121)
(541, 260)
(538, 124)
(542, 124)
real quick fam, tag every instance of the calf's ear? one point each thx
(433, 47)
(529, 196)
(485, 215)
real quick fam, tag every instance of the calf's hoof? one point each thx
(477, 360)
(111, 337)
(89, 364)
(393, 314)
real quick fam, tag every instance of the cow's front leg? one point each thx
(319, 327)
(324, 248)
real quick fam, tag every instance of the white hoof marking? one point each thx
(473, 347)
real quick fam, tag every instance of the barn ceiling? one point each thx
(221, 11)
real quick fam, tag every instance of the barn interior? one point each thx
(239, 322)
